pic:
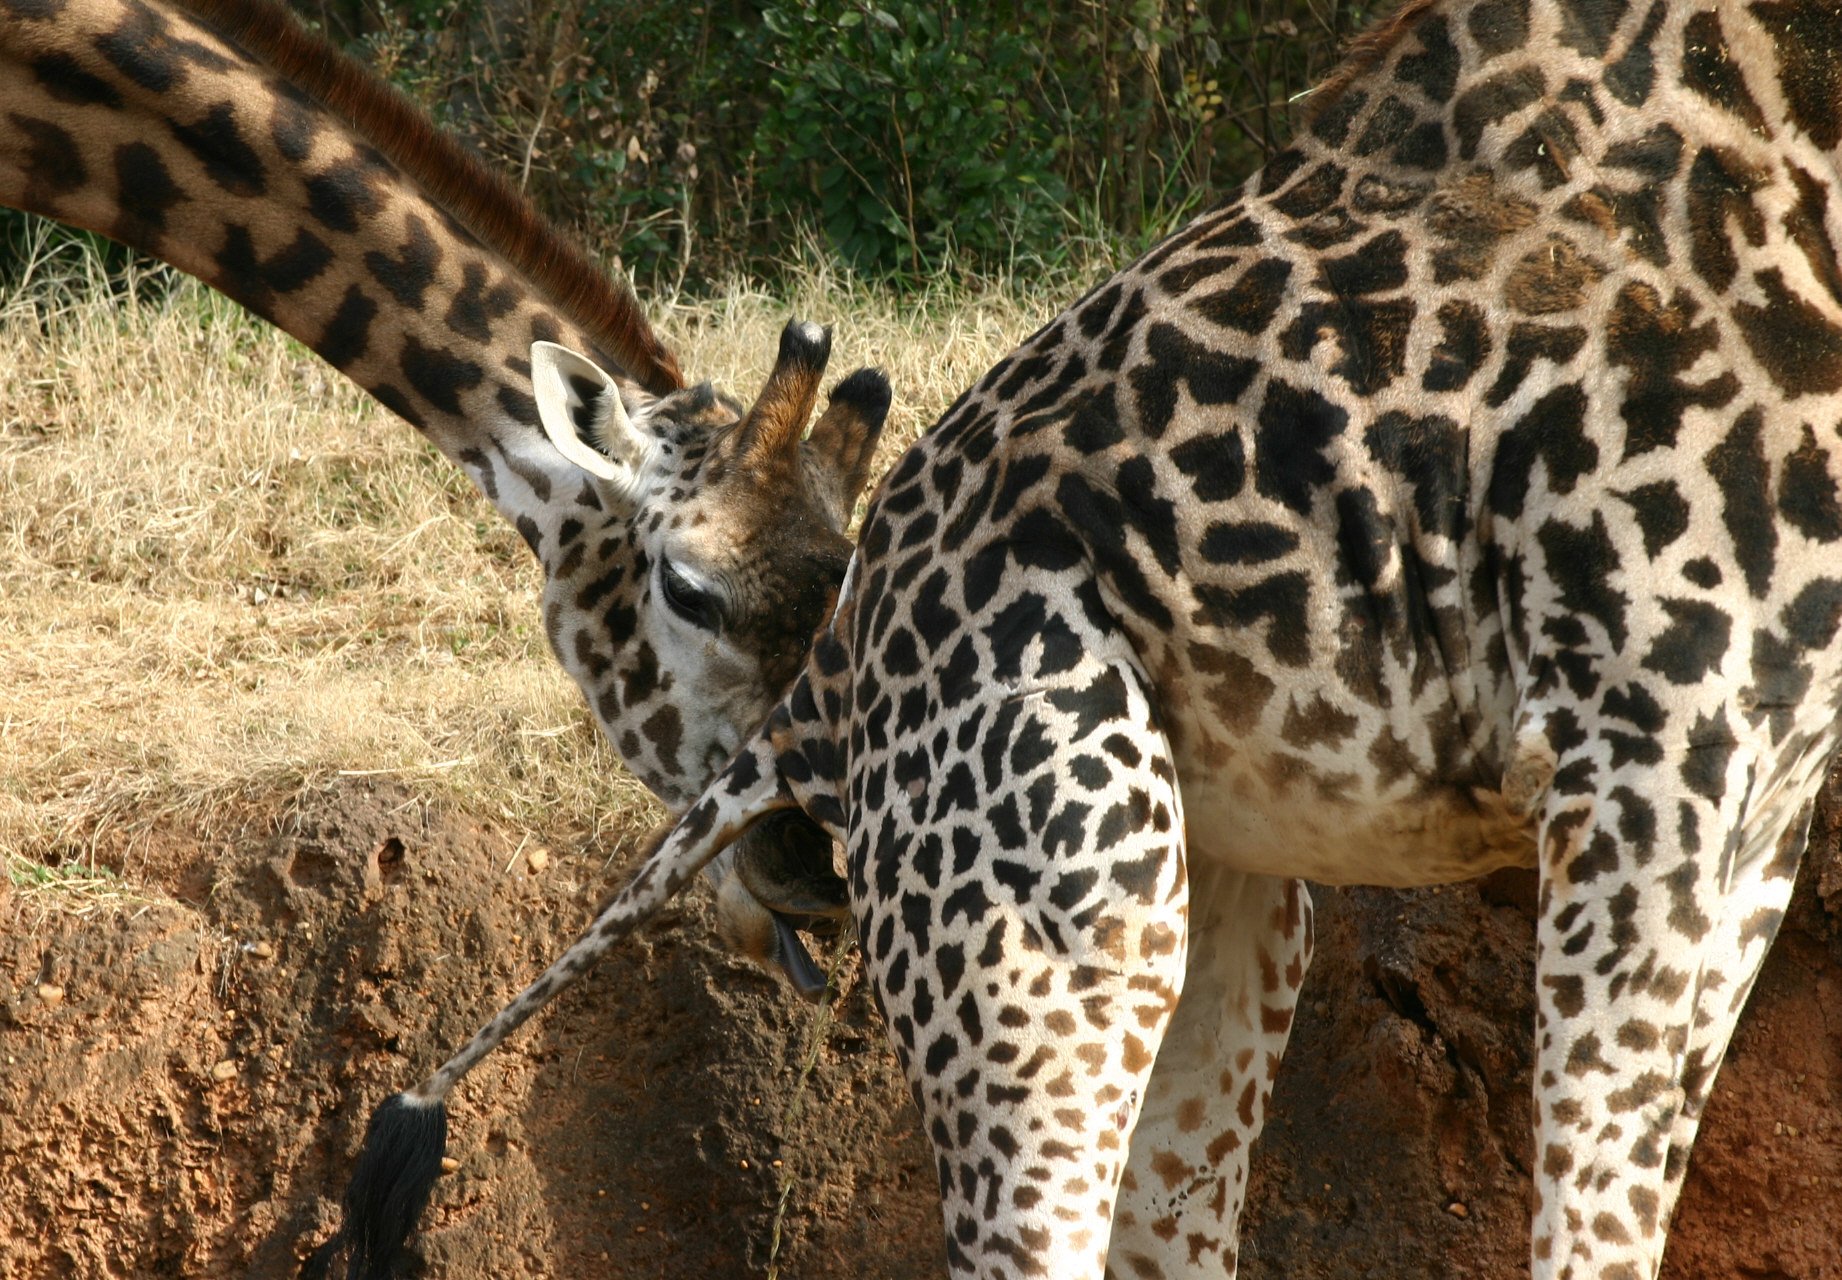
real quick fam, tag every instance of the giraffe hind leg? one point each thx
(1741, 936)
(1658, 904)
(1180, 1203)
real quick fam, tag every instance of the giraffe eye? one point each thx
(686, 599)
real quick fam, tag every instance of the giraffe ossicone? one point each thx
(1466, 492)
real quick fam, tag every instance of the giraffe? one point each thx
(689, 548)
(1464, 493)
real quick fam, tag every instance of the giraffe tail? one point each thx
(408, 1132)
(390, 1187)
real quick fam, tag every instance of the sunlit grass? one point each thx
(227, 578)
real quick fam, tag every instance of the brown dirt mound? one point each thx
(183, 1082)
(205, 1076)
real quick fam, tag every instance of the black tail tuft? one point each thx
(389, 1189)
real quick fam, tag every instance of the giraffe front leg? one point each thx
(1658, 905)
(1180, 1204)
(1024, 921)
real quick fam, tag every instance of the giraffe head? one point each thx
(710, 549)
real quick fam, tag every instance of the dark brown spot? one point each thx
(1710, 72)
(1809, 41)
(438, 374)
(218, 144)
(1792, 340)
(409, 273)
(347, 334)
(53, 164)
(64, 78)
(144, 192)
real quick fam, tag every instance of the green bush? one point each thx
(901, 130)
(697, 140)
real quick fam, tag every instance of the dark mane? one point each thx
(1364, 53)
(480, 198)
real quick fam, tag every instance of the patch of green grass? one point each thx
(23, 873)
(72, 888)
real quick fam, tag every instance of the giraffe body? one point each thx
(1463, 494)
(685, 571)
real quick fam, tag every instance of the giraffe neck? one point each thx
(202, 134)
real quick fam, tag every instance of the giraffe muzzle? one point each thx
(785, 863)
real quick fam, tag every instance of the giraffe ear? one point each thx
(580, 407)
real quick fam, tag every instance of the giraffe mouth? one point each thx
(785, 863)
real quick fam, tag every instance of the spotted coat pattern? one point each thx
(681, 593)
(1466, 493)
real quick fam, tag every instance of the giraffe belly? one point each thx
(1323, 787)
(1242, 817)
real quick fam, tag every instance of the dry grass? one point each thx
(227, 578)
